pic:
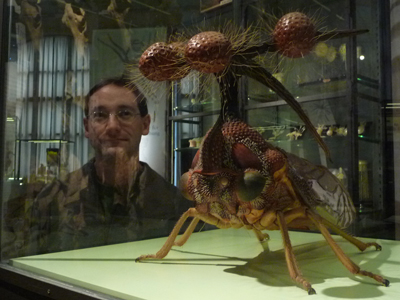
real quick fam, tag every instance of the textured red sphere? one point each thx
(163, 61)
(208, 52)
(294, 35)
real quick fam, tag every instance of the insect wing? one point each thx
(322, 191)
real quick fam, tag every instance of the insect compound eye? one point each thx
(251, 185)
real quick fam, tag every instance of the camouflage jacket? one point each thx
(79, 212)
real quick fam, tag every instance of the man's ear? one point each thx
(146, 124)
(86, 125)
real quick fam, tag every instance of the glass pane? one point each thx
(73, 177)
(282, 127)
(323, 70)
(196, 93)
(105, 112)
(188, 135)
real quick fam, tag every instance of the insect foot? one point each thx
(377, 246)
(143, 257)
(311, 291)
(386, 282)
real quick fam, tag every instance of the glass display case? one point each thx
(340, 87)
(195, 110)
(72, 228)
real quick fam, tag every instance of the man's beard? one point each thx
(119, 169)
(109, 149)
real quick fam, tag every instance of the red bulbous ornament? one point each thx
(294, 35)
(208, 52)
(163, 61)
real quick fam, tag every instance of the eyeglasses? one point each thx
(123, 115)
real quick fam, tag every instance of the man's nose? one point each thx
(113, 122)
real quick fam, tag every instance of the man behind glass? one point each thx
(113, 198)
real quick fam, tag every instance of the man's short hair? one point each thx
(122, 82)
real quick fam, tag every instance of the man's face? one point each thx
(114, 134)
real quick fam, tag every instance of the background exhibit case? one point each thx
(52, 52)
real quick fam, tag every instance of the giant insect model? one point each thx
(237, 179)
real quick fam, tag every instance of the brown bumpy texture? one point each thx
(237, 132)
(163, 62)
(294, 35)
(212, 151)
(241, 132)
(208, 52)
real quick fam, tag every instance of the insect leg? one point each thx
(345, 260)
(291, 262)
(191, 212)
(210, 219)
(263, 239)
(267, 221)
(356, 242)
(260, 235)
(183, 239)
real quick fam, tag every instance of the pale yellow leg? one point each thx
(260, 235)
(356, 242)
(210, 219)
(301, 212)
(188, 232)
(191, 212)
(294, 270)
(345, 260)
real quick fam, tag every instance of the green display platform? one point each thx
(223, 264)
